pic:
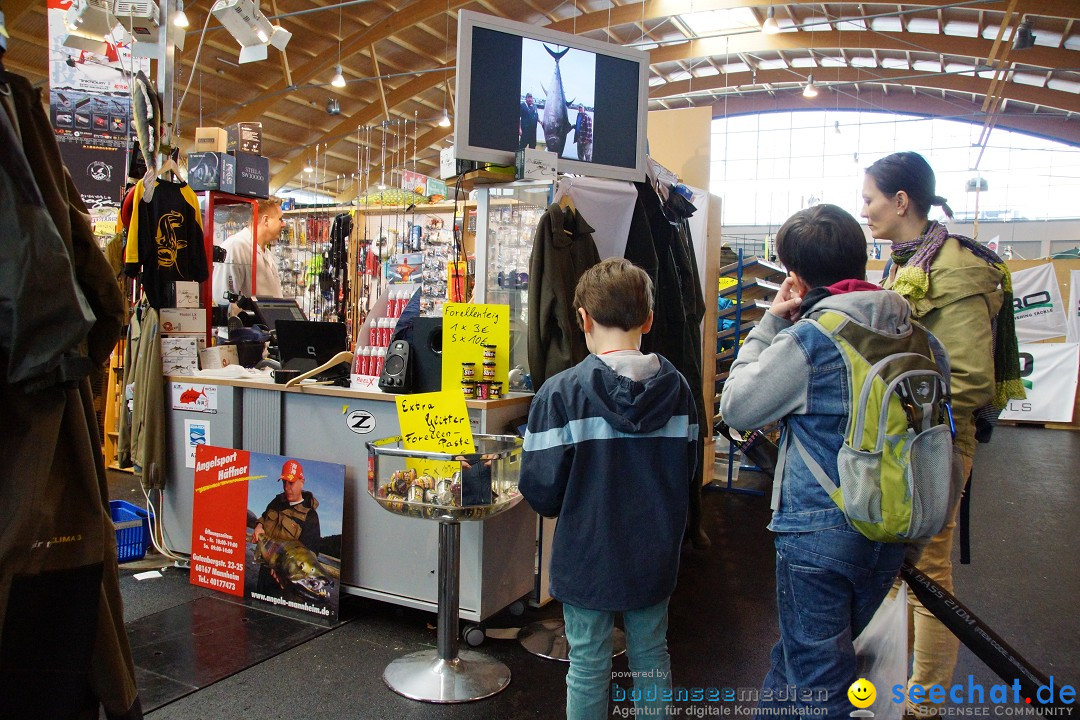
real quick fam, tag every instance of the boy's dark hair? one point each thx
(615, 293)
(823, 245)
(908, 171)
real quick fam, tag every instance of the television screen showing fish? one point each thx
(526, 87)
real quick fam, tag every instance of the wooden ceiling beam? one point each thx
(1057, 99)
(978, 48)
(355, 42)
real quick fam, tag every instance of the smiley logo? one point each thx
(862, 693)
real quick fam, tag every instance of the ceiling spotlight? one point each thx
(250, 28)
(444, 121)
(180, 19)
(333, 107)
(338, 80)
(87, 24)
(1024, 37)
(770, 27)
(810, 91)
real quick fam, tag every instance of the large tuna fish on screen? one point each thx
(556, 122)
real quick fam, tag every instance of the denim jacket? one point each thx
(794, 373)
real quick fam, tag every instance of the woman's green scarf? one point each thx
(913, 259)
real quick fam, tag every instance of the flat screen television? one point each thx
(521, 86)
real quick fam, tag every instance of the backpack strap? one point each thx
(778, 472)
(815, 469)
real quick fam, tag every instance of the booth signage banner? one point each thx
(1037, 305)
(1073, 329)
(293, 568)
(1049, 374)
(467, 327)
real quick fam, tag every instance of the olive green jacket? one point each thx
(964, 297)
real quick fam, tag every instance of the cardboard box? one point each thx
(179, 355)
(211, 171)
(217, 357)
(211, 139)
(244, 137)
(252, 176)
(187, 294)
(182, 320)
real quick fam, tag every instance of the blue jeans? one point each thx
(589, 682)
(829, 584)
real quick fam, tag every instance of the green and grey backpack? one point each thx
(899, 473)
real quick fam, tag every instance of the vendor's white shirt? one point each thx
(235, 273)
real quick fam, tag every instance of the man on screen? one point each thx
(583, 135)
(529, 120)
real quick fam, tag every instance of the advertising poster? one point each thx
(196, 433)
(1048, 371)
(90, 109)
(267, 528)
(1037, 305)
(194, 397)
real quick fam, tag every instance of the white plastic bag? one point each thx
(882, 654)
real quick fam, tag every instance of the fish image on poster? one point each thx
(565, 78)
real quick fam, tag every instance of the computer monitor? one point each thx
(268, 310)
(304, 345)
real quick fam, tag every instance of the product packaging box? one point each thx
(217, 357)
(183, 320)
(187, 294)
(244, 137)
(211, 171)
(179, 355)
(252, 176)
(211, 139)
(449, 166)
(533, 164)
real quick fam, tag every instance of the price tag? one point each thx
(467, 327)
(435, 422)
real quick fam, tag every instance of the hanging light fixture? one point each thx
(180, 19)
(770, 26)
(307, 166)
(444, 121)
(338, 80)
(1024, 37)
(810, 91)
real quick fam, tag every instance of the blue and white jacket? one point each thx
(613, 458)
(795, 373)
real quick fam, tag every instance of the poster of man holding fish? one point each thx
(560, 79)
(268, 528)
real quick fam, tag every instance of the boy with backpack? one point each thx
(611, 445)
(866, 461)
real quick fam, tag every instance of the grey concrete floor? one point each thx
(1023, 582)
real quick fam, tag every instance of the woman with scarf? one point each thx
(962, 293)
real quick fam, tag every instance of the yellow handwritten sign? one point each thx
(435, 422)
(467, 327)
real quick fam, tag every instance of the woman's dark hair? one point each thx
(823, 245)
(909, 171)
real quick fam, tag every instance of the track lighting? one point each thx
(770, 27)
(338, 80)
(810, 91)
(180, 19)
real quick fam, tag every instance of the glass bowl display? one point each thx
(437, 486)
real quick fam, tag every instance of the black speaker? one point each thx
(397, 371)
(426, 351)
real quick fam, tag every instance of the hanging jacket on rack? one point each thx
(165, 241)
(63, 648)
(563, 250)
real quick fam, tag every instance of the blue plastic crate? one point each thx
(132, 530)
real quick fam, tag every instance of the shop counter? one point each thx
(386, 557)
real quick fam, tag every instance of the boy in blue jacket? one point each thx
(830, 579)
(611, 446)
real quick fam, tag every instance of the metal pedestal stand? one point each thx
(547, 639)
(447, 675)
